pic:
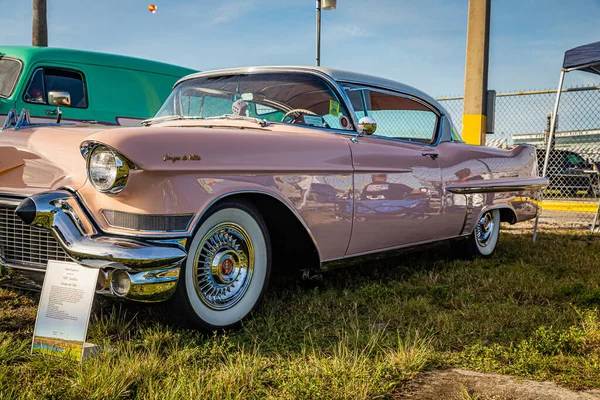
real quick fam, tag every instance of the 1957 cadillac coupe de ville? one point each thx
(247, 170)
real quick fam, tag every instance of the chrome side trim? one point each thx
(373, 255)
(496, 186)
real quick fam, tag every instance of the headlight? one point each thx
(107, 170)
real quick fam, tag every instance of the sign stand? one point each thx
(64, 311)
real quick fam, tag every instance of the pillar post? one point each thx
(476, 72)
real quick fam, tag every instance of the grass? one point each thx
(361, 333)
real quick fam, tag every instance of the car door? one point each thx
(44, 78)
(397, 178)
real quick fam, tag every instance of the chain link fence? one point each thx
(571, 200)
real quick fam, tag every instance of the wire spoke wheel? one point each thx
(227, 271)
(223, 266)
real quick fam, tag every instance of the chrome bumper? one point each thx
(132, 269)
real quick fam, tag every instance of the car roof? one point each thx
(335, 74)
(30, 54)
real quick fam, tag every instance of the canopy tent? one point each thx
(584, 58)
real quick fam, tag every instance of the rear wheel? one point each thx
(483, 240)
(227, 269)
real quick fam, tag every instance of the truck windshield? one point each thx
(9, 73)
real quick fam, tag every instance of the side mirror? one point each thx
(59, 98)
(367, 125)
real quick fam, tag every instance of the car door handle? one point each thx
(50, 112)
(431, 154)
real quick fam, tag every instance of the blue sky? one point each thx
(421, 43)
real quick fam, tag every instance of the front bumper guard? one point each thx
(152, 268)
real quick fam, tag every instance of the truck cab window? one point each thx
(45, 80)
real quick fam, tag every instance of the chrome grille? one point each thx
(24, 245)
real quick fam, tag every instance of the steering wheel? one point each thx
(298, 111)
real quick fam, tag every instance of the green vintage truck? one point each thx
(104, 88)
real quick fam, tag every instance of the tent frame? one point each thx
(551, 134)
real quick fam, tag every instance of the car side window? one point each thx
(45, 80)
(397, 116)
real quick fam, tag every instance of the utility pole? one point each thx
(476, 72)
(39, 31)
(322, 5)
(318, 33)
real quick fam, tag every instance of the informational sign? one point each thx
(64, 310)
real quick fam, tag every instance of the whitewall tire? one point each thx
(484, 239)
(227, 269)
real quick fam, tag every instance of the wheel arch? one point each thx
(287, 230)
(507, 212)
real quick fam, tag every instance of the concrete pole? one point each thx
(39, 31)
(476, 72)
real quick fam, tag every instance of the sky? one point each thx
(421, 43)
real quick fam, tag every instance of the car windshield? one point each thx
(9, 73)
(294, 98)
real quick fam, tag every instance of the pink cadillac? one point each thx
(247, 170)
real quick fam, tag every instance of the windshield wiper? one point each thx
(260, 122)
(175, 117)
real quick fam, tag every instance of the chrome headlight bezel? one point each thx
(122, 165)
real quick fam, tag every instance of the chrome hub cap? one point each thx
(484, 229)
(223, 266)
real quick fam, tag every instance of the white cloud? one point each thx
(232, 11)
(341, 31)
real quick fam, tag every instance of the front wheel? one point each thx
(483, 240)
(227, 269)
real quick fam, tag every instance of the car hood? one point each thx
(37, 159)
(227, 146)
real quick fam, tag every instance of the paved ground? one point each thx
(463, 385)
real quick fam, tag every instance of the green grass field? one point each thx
(361, 333)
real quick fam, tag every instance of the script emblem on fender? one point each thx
(185, 157)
